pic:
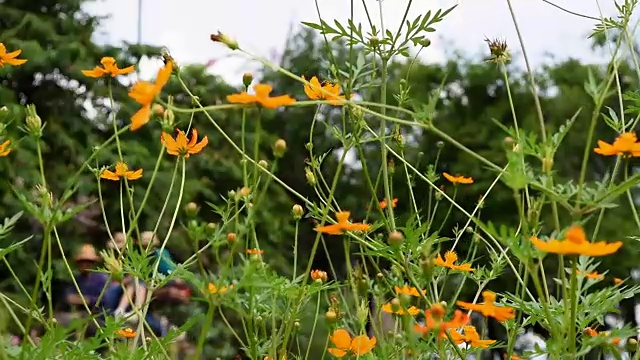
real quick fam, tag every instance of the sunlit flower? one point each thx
(458, 179)
(384, 203)
(4, 148)
(319, 275)
(344, 344)
(433, 321)
(592, 275)
(391, 309)
(213, 289)
(406, 290)
(10, 58)
(450, 257)
(576, 243)
(488, 308)
(626, 145)
(122, 171)
(126, 333)
(326, 91)
(180, 146)
(254, 252)
(470, 337)
(343, 225)
(144, 92)
(261, 97)
(109, 67)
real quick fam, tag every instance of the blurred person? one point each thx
(175, 290)
(90, 283)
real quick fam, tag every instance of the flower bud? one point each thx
(297, 211)
(211, 227)
(157, 110)
(632, 345)
(247, 78)
(191, 209)
(231, 238)
(396, 238)
(319, 276)
(440, 144)
(331, 316)
(508, 140)
(374, 41)
(226, 40)
(33, 121)
(245, 191)
(547, 164)
(169, 117)
(263, 163)
(311, 179)
(279, 148)
(395, 304)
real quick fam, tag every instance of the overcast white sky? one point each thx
(261, 26)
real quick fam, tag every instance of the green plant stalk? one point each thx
(256, 148)
(446, 217)
(36, 288)
(295, 250)
(204, 331)
(313, 328)
(383, 151)
(573, 297)
(632, 203)
(243, 142)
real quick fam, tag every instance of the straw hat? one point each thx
(148, 236)
(119, 241)
(87, 253)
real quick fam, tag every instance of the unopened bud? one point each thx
(191, 209)
(245, 191)
(279, 148)
(33, 121)
(297, 211)
(311, 179)
(508, 141)
(547, 164)
(331, 316)
(225, 39)
(247, 78)
(424, 42)
(380, 276)
(157, 110)
(396, 238)
(169, 117)
(263, 163)
(374, 41)
(440, 144)
(211, 227)
(632, 345)
(231, 238)
(395, 304)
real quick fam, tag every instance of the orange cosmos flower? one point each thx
(326, 91)
(434, 321)
(4, 148)
(626, 145)
(319, 275)
(592, 275)
(126, 333)
(391, 309)
(261, 97)
(180, 146)
(576, 243)
(617, 281)
(122, 171)
(10, 58)
(458, 179)
(109, 67)
(144, 92)
(513, 357)
(213, 289)
(343, 225)
(384, 204)
(487, 308)
(470, 337)
(344, 344)
(450, 257)
(593, 333)
(254, 252)
(406, 290)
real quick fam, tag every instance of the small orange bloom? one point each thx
(254, 252)
(513, 357)
(458, 179)
(450, 257)
(326, 91)
(406, 290)
(180, 146)
(213, 289)
(389, 308)
(343, 225)
(592, 275)
(144, 92)
(384, 204)
(4, 148)
(487, 308)
(122, 171)
(109, 67)
(626, 145)
(470, 337)
(261, 97)
(319, 275)
(10, 58)
(593, 333)
(344, 344)
(434, 321)
(576, 243)
(126, 333)
(617, 281)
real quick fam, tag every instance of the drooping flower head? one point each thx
(144, 92)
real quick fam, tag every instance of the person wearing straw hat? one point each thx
(90, 283)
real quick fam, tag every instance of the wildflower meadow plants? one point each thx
(404, 275)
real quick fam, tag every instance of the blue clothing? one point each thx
(166, 264)
(110, 302)
(90, 284)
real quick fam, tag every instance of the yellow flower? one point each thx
(213, 289)
(326, 91)
(592, 275)
(126, 333)
(406, 290)
(343, 225)
(344, 344)
(144, 92)
(109, 67)
(458, 179)
(470, 337)
(319, 275)
(10, 58)
(450, 257)
(576, 243)
(488, 307)
(122, 171)
(261, 97)
(181, 147)
(389, 308)
(4, 148)
(626, 145)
